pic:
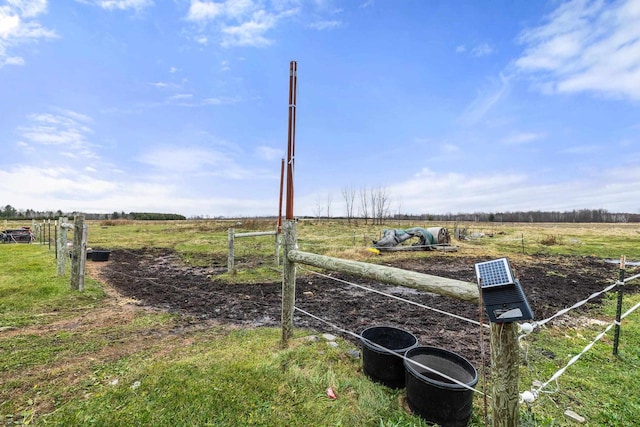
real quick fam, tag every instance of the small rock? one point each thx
(308, 293)
(332, 343)
(329, 337)
(311, 338)
(354, 353)
(574, 417)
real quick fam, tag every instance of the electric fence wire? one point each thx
(535, 392)
(387, 350)
(539, 323)
(475, 322)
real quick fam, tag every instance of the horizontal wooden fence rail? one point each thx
(458, 289)
(232, 235)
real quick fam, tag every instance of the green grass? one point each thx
(599, 386)
(251, 382)
(32, 293)
(71, 358)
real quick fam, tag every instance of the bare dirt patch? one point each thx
(157, 278)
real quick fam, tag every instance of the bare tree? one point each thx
(349, 196)
(373, 199)
(364, 204)
(329, 201)
(317, 209)
(379, 204)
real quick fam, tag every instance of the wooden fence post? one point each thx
(288, 281)
(504, 374)
(79, 253)
(231, 269)
(61, 244)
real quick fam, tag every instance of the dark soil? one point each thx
(157, 278)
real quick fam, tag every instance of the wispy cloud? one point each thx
(479, 50)
(268, 153)
(482, 49)
(582, 149)
(486, 99)
(251, 32)
(67, 132)
(522, 138)
(220, 161)
(18, 26)
(137, 5)
(586, 46)
(325, 25)
(244, 23)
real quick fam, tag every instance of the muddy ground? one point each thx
(157, 278)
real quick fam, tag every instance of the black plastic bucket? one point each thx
(383, 366)
(97, 255)
(433, 397)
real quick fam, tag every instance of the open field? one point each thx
(164, 336)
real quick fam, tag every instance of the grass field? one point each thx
(95, 358)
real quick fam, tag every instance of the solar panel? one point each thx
(494, 273)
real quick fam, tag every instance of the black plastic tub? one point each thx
(99, 255)
(433, 397)
(383, 366)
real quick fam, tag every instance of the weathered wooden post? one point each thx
(288, 281)
(61, 244)
(79, 253)
(504, 374)
(231, 269)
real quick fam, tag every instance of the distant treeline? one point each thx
(580, 215)
(9, 212)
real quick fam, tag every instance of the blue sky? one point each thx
(449, 106)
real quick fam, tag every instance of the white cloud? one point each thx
(64, 134)
(12, 60)
(450, 148)
(136, 5)
(236, 22)
(250, 33)
(180, 161)
(204, 10)
(582, 149)
(269, 153)
(522, 138)
(483, 49)
(586, 46)
(29, 8)
(485, 101)
(9, 24)
(18, 27)
(616, 190)
(325, 25)
(479, 50)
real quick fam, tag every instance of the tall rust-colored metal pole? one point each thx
(291, 146)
